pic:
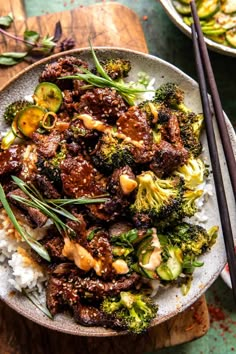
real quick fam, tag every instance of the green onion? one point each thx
(78, 201)
(128, 93)
(52, 208)
(36, 246)
(37, 303)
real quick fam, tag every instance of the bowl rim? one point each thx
(174, 312)
(178, 21)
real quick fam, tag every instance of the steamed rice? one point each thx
(26, 273)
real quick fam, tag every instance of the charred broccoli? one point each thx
(51, 167)
(193, 172)
(172, 96)
(151, 108)
(157, 197)
(116, 68)
(191, 125)
(193, 239)
(111, 153)
(186, 208)
(14, 108)
(134, 311)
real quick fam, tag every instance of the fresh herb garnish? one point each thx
(36, 47)
(52, 208)
(126, 91)
(35, 245)
(37, 303)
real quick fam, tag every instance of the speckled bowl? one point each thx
(170, 300)
(177, 19)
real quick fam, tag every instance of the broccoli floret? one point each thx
(193, 172)
(172, 95)
(186, 208)
(135, 311)
(193, 239)
(117, 68)
(191, 125)
(51, 167)
(188, 205)
(112, 153)
(151, 109)
(157, 197)
(13, 109)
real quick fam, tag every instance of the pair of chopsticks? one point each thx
(204, 71)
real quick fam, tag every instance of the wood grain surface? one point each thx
(21, 336)
(107, 24)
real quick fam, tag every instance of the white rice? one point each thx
(26, 273)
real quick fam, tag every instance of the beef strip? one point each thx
(54, 243)
(99, 289)
(10, 160)
(114, 186)
(54, 298)
(79, 228)
(101, 249)
(103, 104)
(133, 124)
(80, 178)
(167, 158)
(47, 145)
(38, 219)
(46, 187)
(64, 66)
(92, 316)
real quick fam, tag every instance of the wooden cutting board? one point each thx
(107, 24)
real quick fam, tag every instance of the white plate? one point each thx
(178, 21)
(170, 300)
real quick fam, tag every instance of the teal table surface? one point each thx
(167, 42)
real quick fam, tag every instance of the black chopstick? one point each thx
(226, 142)
(216, 169)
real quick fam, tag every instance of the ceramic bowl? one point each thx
(170, 300)
(177, 19)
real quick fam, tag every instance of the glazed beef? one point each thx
(103, 104)
(10, 160)
(37, 218)
(101, 249)
(167, 158)
(133, 124)
(47, 145)
(54, 244)
(54, 299)
(114, 185)
(62, 67)
(80, 178)
(46, 187)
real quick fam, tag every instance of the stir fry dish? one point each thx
(99, 180)
(217, 18)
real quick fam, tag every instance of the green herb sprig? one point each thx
(36, 47)
(52, 208)
(32, 297)
(35, 245)
(125, 90)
